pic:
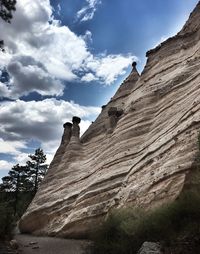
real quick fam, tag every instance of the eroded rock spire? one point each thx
(75, 128)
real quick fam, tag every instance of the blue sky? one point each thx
(68, 57)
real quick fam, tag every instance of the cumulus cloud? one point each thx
(44, 53)
(4, 92)
(41, 121)
(58, 9)
(108, 68)
(5, 165)
(88, 77)
(26, 70)
(21, 158)
(88, 11)
(11, 147)
(87, 37)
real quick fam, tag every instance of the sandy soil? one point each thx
(29, 244)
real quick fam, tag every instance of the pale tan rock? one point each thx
(140, 156)
(14, 244)
(150, 248)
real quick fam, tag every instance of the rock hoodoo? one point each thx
(76, 129)
(139, 151)
(64, 142)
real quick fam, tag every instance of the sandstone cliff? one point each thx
(138, 151)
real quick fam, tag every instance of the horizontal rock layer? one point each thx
(138, 151)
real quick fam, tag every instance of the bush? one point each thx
(8, 217)
(6, 221)
(125, 230)
(24, 201)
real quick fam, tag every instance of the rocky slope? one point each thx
(139, 151)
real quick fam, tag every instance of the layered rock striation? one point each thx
(138, 152)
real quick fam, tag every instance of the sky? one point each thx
(68, 57)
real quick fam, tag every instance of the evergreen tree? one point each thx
(6, 9)
(20, 185)
(37, 168)
(17, 181)
(6, 184)
(1, 46)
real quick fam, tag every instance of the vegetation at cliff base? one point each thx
(18, 189)
(6, 220)
(125, 230)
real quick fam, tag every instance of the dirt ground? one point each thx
(29, 244)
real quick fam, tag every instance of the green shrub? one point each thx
(6, 221)
(24, 201)
(125, 230)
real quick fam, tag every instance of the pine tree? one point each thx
(20, 185)
(16, 182)
(6, 9)
(37, 168)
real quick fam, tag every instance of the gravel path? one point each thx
(29, 244)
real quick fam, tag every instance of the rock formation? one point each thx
(139, 151)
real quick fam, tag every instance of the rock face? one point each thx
(139, 151)
(150, 248)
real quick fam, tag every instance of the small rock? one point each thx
(14, 245)
(150, 248)
(33, 243)
(35, 247)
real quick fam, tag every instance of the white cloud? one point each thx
(49, 158)
(4, 91)
(87, 37)
(25, 70)
(5, 165)
(41, 121)
(88, 11)
(113, 66)
(88, 77)
(11, 147)
(44, 52)
(21, 158)
(108, 68)
(58, 9)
